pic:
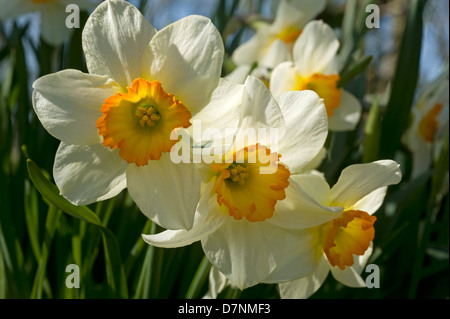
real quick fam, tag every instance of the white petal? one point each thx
(186, 57)
(350, 276)
(252, 50)
(166, 193)
(278, 52)
(114, 40)
(304, 287)
(68, 104)
(239, 75)
(371, 202)
(88, 174)
(359, 180)
(315, 49)
(297, 255)
(297, 13)
(346, 115)
(302, 208)
(53, 23)
(306, 128)
(217, 283)
(208, 218)
(283, 78)
(243, 251)
(259, 110)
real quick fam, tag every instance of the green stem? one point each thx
(199, 280)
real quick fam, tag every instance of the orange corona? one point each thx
(246, 189)
(140, 121)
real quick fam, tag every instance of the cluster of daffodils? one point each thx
(253, 200)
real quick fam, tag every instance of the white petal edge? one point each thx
(315, 49)
(306, 128)
(155, 186)
(88, 174)
(114, 39)
(68, 104)
(300, 209)
(346, 116)
(359, 180)
(305, 287)
(186, 57)
(351, 276)
(208, 218)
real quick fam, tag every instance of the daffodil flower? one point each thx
(343, 243)
(315, 67)
(429, 121)
(272, 43)
(115, 122)
(53, 15)
(240, 219)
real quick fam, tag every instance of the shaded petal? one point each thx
(315, 49)
(371, 202)
(53, 23)
(88, 174)
(296, 256)
(301, 208)
(251, 51)
(186, 57)
(245, 252)
(350, 276)
(167, 193)
(306, 128)
(114, 40)
(297, 13)
(208, 218)
(217, 283)
(346, 116)
(359, 180)
(278, 52)
(283, 78)
(68, 104)
(304, 287)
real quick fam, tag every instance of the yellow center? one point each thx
(429, 125)
(325, 86)
(289, 34)
(346, 236)
(243, 187)
(140, 121)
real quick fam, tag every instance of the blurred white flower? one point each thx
(315, 67)
(272, 43)
(429, 122)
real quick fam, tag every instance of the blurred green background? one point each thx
(386, 68)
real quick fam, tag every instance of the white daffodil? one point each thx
(343, 242)
(115, 122)
(429, 122)
(272, 43)
(315, 67)
(240, 220)
(53, 15)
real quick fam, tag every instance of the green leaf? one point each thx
(114, 269)
(353, 70)
(404, 83)
(372, 133)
